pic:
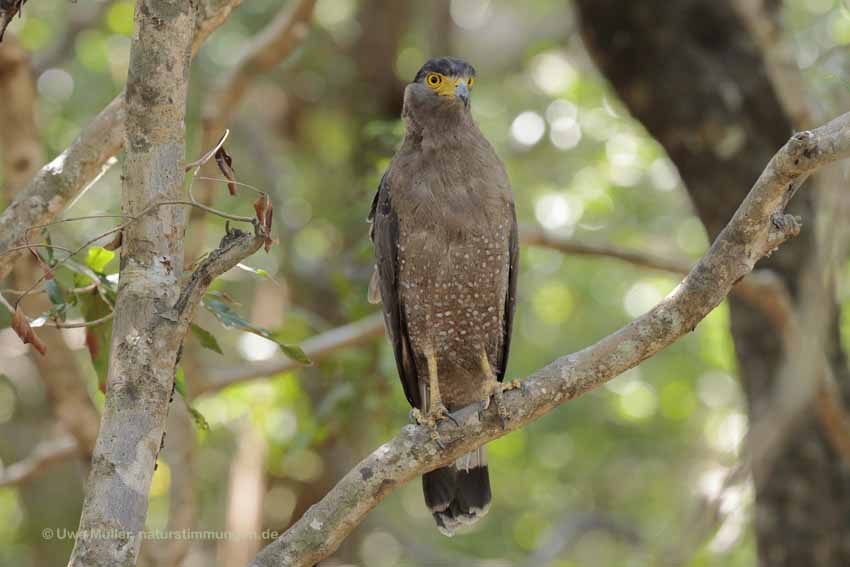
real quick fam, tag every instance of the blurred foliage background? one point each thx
(607, 480)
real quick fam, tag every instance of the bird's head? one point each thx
(441, 89)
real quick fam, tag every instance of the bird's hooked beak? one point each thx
(462, 92)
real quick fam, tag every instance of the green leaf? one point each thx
(180, 386)
(99, 337)
(55, 312)
(51, 260)
(229, 318)
(55, 291)
(206, 339)
(98, 257)
(295, 352)
(259, 272)
(198, 417)
(180, 382)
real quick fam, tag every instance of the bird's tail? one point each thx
(458, 494)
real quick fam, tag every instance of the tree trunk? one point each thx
(693, 75)
(145, 338)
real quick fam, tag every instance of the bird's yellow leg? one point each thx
(494, 389)
(435, 409)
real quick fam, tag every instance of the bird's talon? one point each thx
(430, 421)
(435, 437)
(440, 412)
(485, 403)
(504, 416)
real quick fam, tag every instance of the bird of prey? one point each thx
(445, 237)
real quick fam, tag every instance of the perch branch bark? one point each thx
(758, 227)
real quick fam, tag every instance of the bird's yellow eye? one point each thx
(433, 79)
(470, 82)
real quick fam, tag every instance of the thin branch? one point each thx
(119, 228)
(82, 16)
(758, 227)
(761, 289)
(539, 237)
(36, 245)
(79, 325)
(316, 348)
(42, 457)
(572, 527)
(72, 219)
(63, 179)
(233, 248)
(84, 289)
(370, 327)
(271, 46)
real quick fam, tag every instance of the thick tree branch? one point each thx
(145, 343)
(758, 227)
(74, 170)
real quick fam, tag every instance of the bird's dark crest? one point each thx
(448, 66)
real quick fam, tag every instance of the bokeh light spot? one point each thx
(254, 347)
(380, 549)
(528, 128)
(333, 13)
(56, 84)
(470, 14)
(553, 303)
(552, 73)
(119, 18)
(639, 403)
(565, 133)
(640, 298)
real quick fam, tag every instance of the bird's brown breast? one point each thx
(453, 284)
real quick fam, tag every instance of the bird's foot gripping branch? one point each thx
(758, 227)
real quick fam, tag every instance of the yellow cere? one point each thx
(446, 85)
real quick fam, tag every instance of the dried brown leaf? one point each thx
(267, 243)
(23, 329)
(48, 272)
(116, 242)
(260, 209)
(225, 164)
